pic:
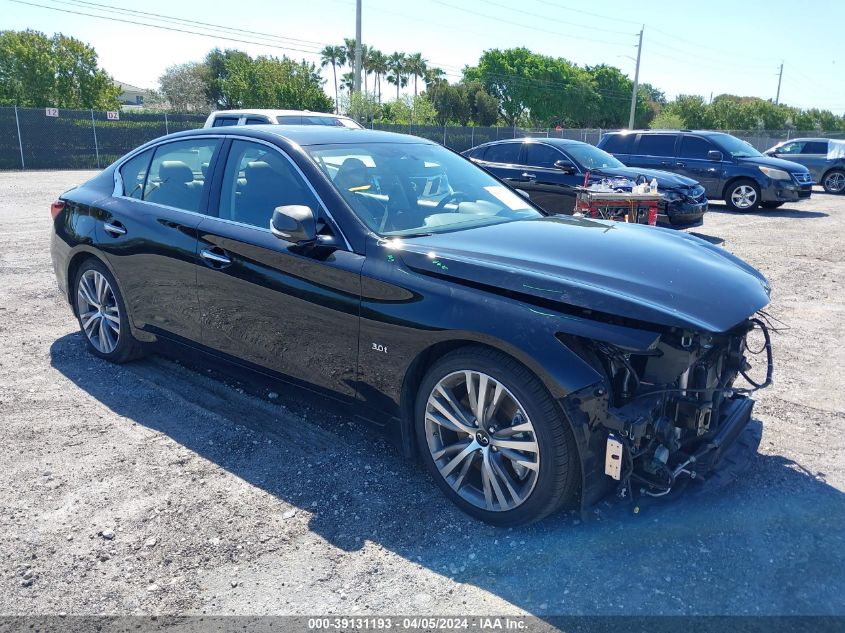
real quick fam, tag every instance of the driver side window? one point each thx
(790, 148)
(256, 180)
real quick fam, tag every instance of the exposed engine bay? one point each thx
(674, 409)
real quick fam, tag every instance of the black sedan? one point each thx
(531, 361)
(550, 169)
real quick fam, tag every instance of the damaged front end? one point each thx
(666, 415)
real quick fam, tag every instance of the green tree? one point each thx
(416, 66)
(410, 109)
(667, 120)
(396, 66)
(451, 103)
(58, 71)
(378, 65)
(183, 87)
(336, 56)
(271, 82)
(691, 109)
(217, 64)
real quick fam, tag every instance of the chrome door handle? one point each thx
(680, 164)
(528, 176)
(115, 230)
(215, 258)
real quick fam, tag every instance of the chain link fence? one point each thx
(86, 139)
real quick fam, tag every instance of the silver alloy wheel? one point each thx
(98, 311)
(835, 182)
(482, 441)
(744, 197)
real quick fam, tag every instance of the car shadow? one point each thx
(708, 238)
(783, 212)
(751, 549)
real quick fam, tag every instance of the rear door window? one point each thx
(657, 145)
(134, 174)
(289, 119)
(177, 173)
(224, 121)
(256, 121)
(815, 147)
(540, 155)
(695, 147)
(507, 153)
(618, 143)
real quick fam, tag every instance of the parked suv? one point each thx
(550, 169)
(825, 158)
(223, 118)
(728, 167)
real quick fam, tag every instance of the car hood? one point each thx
(631, 271)
(777, 163)
(665, 179)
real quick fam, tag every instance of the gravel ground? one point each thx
(153, 488)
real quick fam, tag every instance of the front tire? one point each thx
(742, 195)
(101, 312)
(493, 438)
(834, 181)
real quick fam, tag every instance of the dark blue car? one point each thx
(551, 169)
(729, 168)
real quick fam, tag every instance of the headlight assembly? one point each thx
(775, 174)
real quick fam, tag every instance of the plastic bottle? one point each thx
(653, 185)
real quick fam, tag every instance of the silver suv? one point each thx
(824, 157)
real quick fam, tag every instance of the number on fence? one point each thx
(54, 112)
(113, 115)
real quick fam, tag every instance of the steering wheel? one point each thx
(455, 195)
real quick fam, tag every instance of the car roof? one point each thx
(308, 134)
(270, 112)
(700, 132)
(808, 138)
(557, 142)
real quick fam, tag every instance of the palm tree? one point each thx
(378, 65)
(434, 76)
(365, 64)
(396, 68)
(347, 80)
(336, 56)
(415, 65)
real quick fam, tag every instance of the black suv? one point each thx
(551, 169)
(728, 167)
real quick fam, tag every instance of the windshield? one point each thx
(589, 157)
(405, 189)
(734, 146)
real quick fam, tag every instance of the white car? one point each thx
(221, 118)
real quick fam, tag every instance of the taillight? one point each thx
(56, 208)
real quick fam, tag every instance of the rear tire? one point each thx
(834, 181)
(497, 480)
(101, 313)
(772, 205)
(742, 195)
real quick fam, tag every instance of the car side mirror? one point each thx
(294, 223)
(714, 155)
(565, 166)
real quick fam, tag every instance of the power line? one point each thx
(165, 28)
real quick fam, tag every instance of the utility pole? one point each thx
(780, 76)
(356, 83)
(636, 82)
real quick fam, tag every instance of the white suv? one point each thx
(221, 118)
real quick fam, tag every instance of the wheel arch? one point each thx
(420, 365)
(736, 179)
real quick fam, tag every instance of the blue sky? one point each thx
(717, 46)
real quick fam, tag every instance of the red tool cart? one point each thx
(623, 206)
